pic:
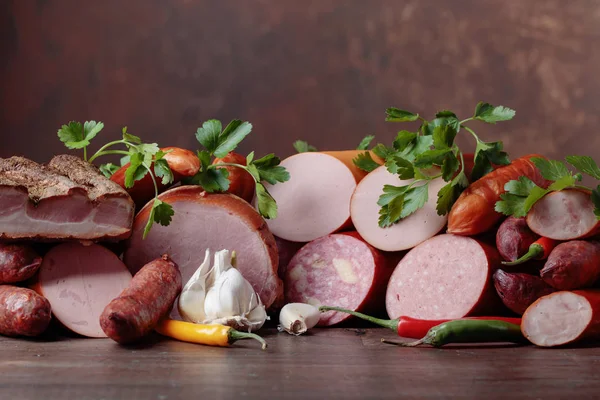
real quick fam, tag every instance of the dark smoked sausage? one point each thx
(18, 262)
(573, 265)
(148, 298)
(23, 312)
(514, 238)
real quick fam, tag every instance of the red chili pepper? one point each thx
(539, 250)
(412, 327)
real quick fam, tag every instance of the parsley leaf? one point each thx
(487, 154)
(269, 170)
(520, 196)
(449, 166)
(399, 202)
(596, 201)
(233, 134)
(448, 194)
(397, 115)
(550, 169)
(365, 162)
(421, 145)
(108, 169)
(129, 137)
(267, 207)
(302, 147)
(136, 169)
(78, 136)
(162, 170)
(429, 127)
(491, 114)
(390, 213)
(400, 166)
(211, 179)
(404, 139)
(208, 135)
(383, 151)
(443, 136)
(585, 164)
(445, 113)
(415, 198)
(431, 157)
(364, 144)
(161, 213)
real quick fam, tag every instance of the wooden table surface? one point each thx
(329, 363)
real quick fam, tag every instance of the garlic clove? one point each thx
(297, 318)
(191, 299)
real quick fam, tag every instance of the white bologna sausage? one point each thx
(445, 277)
(562, 318)
(339, 270)
(214, 221)
(403, 235)
(79, 281)
(316, 200)
(565, 215)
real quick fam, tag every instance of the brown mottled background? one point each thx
(319, 70)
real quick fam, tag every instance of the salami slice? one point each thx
(445, 277)
(338, 270)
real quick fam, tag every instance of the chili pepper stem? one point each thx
(386, 323)
(237, 335)
(535, 251)
(403, 344)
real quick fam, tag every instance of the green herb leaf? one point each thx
(449, 166)
(445, 114)
(162, 170)
(550, 169)
(303, 147)
(397, 115)
(161, 213)
(383, 151)
(136, 169)
(391, 212)
(421, 145)
(492, 114)
(130, 138)
(108, 169)
(487, 154)
(208, 135)
(212, 180)
(431, 157)
(443, 136)
(429, 127)
(91, 129)
(404, 139)
(269, 170)
(365, 162)
(415, 198)
(249, 158)
(585, 164)
(448, 194)
(520, 196)
(364, 144)
(267, 207)
(124, 160)
(400, 166)
(563, 182)
(400, 202)
(233, 134)
(72, 135)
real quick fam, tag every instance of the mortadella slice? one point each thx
(79, 281)
(316, 200)
(209, 221)
(339, 270)
(406, 233)
(445, 277)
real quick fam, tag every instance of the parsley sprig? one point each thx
(218, 142)
(144, 158)
(414, 154)
(302, 146)
(523, 193)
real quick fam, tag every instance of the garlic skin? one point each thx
(297, 318)
(221, 295)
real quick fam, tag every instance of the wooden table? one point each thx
(329, 363)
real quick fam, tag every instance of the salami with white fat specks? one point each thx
(339, 270)
(445, 277)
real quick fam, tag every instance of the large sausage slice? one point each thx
(215, 221)
(445, 277)
(562, 318)
(406, 233)
(316, 200)
(79, 281)
(338, 270)
(564, 215)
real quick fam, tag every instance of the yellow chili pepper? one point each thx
(212, 335)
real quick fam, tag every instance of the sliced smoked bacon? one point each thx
(67, 199)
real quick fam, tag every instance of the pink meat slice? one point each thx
(403, 235)
(315, 201)
(444, 277)
(67, 199)
(338, 270)
(79, 281)
(216, 221)
(565, 215)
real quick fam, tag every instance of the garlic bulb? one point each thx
(297, 318)
(221, 295)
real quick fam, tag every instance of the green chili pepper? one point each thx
(468, 331)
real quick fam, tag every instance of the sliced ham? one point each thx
(339, 270)
(406, 233)
(565, 215)
(562, 318)
(216, 221)
(316, 200)
(68, 199)
(79, 281)
(445, 277)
